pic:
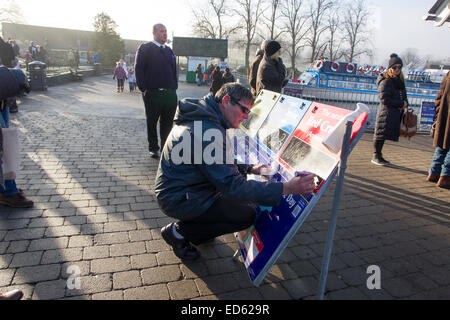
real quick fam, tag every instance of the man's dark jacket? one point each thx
(271, 75)
(392, 94)
(12, 81)
(185, 191)
(6, 53)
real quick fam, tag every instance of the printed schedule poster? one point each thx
(302, 151)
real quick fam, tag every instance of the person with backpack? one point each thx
(393, 100)
(440, 165)
(227, 76)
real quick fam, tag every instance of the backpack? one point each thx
(408, 125)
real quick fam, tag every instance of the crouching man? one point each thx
(211, 197)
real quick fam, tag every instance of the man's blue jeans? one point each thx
(9, 188)
(440, 165)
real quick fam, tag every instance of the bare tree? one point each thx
(249, 11)
(318, 9)
(411, 59)
(272, 21)
(11, 12)
(333, 49)
(209, 20)
(295, 28)
(357, 34)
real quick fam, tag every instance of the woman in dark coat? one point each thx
(271, 70)
(393, 100)
(227, 76)
(216, 82)
(440, 165)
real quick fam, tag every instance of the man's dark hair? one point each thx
(236, 91)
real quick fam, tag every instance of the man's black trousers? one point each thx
(223, 217)
(159, 105)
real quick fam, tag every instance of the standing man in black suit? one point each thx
(156, 77)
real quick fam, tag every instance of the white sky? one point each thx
(398, 23)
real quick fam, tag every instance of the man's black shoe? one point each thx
(379, 161)
(181, 247)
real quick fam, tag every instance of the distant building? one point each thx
(56, 38)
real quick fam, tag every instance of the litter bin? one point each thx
(97, 69)
(38, 75)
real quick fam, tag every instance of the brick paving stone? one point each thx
(81, 241)
(24, 234)
(46, 222)
(300, 288)
(346, 294)
(142, 261)
(111, 295)
(119, 226)
(274, 291)
(62, 255)
(155, 292)
(26, 259)
(127, 279)
(15, 246)
(92, 284)
(48, 244)
(110, 238)
(216, 284)
(6, 277)
(49, 290)
(223, 265)
(160, 274)
(63, 231)
(95, 252)
(194, 270)
(126, 249)
(157, 246)
(110, 265)
(242, 294)
(37, 273)
(182, 290)
(140, 235)
(166, 258)
(81, 268)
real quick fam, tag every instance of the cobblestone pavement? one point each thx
(86, 167)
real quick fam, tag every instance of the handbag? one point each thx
(408, 126)
(433, 129)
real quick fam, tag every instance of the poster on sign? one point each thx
(301, 152)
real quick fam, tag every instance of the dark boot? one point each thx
(444, 182)
(17, 200)
(432, 178)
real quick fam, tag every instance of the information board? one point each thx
(298, 127)
(427, 113)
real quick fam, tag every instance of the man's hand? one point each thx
(257, 169)
(299, 185)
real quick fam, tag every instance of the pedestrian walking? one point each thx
(271, 71)
(156, 77)
(199, 74)
(12, 82)
(227, 76)
(131, 79)
(253, 72)
(440, 165)
(216, 80)
(393, 100)
(120, 75)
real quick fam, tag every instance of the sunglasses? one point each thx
(243, 108)
(396, 67)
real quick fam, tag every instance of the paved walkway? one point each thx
(86, 168)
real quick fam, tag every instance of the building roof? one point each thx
(439, 13)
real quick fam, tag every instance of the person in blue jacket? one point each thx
(198, 181)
